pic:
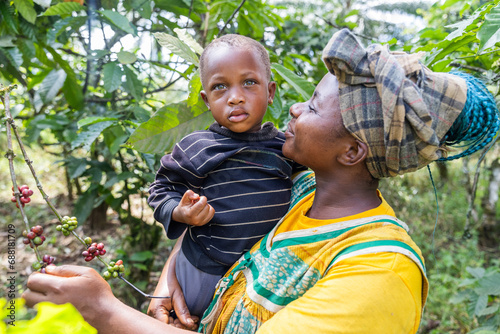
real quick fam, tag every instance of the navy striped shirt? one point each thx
(245, 178)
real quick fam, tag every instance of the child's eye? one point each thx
(219, 87)
(249, 83)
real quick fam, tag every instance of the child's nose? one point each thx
(236, 96)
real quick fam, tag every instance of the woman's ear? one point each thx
(355, 153)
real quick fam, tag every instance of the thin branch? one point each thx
(231, 17)
(472, 68)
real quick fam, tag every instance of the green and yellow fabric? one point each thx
(294, 257)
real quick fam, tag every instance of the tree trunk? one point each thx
(489, 231)
(98, 218)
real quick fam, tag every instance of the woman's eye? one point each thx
(219, 87)
(249, 83)
(311, 108)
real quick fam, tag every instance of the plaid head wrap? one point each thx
(393, 103)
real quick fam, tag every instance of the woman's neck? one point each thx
(338, 198)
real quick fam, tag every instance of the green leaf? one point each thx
(63, 8)
(76, 167)
(114, 137)
(451, 47)
(73, 92)
(84, 204)
(194, 89)
(476, 272)
(481, 304)
(177, 47)
(302, 86)
(277, 107)
(132, 84)
(489, 285)
(51, 85)
(7, 13)
(489, 33)
(112, 76)
(189, 40)
(167, 126)
(126, 57)
(87, 136)
(141, 256)
(461, 26)
(26, 9)
(119, 21)
(93, 120)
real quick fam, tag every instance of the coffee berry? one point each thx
(34, 235)
(26, 193)
(67, 225)
(93, 250)
(113, 270)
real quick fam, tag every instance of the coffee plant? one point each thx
(33, 235)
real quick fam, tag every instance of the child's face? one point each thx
(237, 89)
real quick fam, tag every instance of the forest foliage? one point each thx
(108, 86)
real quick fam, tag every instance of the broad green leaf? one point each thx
(7, 13)
(489, 310)
(189, 40)
(302, 86)
(84, 204)
(141, 256)
(114, 137)
(489, 285)
(194, 89)
(451, 47)
(461, 26)
(489, 33)
(94, 119)
(119, 21)
(126, 57)
(88, 135)
(112, 76)
(177, 47)
(276, 109)
(43, 3)
(167, 126)
(7, 41)
(51, 85)
(476, 272)
(76, 167)
(16, 56)
(26, 9)
(481, 304)
(73, 92)
(63, 8)
(132, 84)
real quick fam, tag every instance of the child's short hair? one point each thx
(237, 41)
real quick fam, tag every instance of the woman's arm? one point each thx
(169, 286)
(91, 295)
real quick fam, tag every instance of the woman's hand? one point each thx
(81, 286)
(168, 285)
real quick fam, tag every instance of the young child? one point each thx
(229, 185)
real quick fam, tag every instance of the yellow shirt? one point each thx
(372, 293)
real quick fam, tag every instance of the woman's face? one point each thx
(316, 130)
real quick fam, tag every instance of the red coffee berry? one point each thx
(85, 253)
(24, 186)
(26, 241)
(13, 199)
(31, 235)
(119, 262)
(26, 192)
(92, 249)
(37, 229)
(102, 252)
(89, 258)
(100, 246)
(25, 200)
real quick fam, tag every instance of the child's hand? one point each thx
(193, 210)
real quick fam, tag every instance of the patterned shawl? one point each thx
(393, 103)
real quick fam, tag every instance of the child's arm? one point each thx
(193, 209)
(169, 286)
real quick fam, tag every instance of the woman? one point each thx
(339, 261)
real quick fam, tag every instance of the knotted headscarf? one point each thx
(393, 103)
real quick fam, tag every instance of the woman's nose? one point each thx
(296, 109)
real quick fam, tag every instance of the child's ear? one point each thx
(355, 153)
(205, 98)
(271, 87)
